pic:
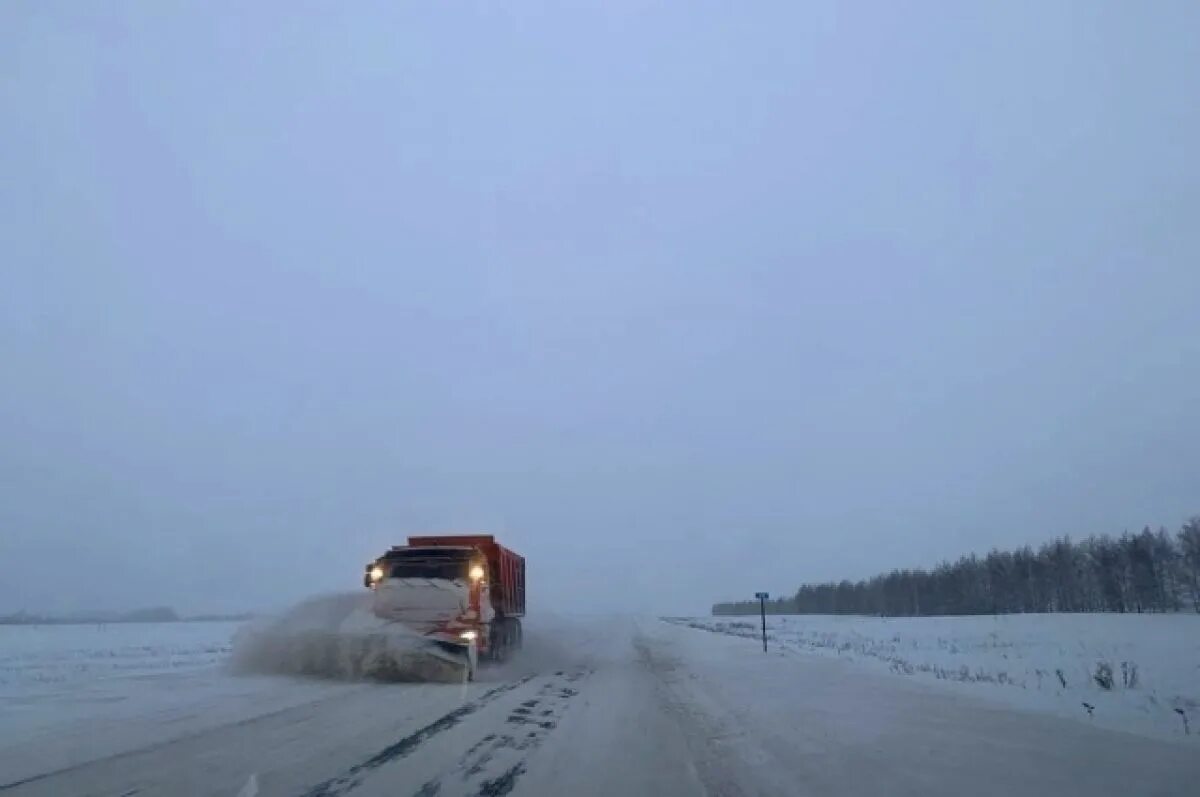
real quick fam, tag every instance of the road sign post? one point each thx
(762, 608)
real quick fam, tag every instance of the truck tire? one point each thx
(495, 649)
(504, 639)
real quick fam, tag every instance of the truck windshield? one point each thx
(428, 563)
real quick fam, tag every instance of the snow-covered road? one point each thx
(596, 707)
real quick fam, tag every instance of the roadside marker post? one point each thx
(762, 607)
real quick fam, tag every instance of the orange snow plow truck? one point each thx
(465, 593)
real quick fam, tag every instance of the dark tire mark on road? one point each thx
(498, 750)
(351, 778)
(503, 784)
(475, 747)
(480, 764)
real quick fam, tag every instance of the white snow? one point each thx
(76, 693)
(340, 636)
(251, 787)
(34, 657)
(71, 693)
(54, 674)
(593, 706)
(1022, 660)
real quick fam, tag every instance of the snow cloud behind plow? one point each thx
(337, 636)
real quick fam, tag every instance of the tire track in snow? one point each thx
(162, 745)
(532, 721)
(353, 777)
(497, 787)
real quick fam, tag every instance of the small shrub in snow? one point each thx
(1062, 679)
(1129, 674)
(1183, 715)
(1103, 675)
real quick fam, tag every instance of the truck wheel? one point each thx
(495, 642)
(504, 641)
(510, 628)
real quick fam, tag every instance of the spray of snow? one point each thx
(338, 636)
(251, 787)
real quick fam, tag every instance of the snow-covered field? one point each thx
(1138, 673)
(78, 692)
(592, 706)
(37, 658)
(56, 674)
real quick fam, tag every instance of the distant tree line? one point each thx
(1146, 572)
(160, 614)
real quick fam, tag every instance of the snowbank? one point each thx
(1138, 673)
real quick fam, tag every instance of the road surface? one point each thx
(610, 707)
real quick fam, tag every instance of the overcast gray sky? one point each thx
(682, 300)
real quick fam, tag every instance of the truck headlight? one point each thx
(468, 635)
(377, 573)
(476, 572)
